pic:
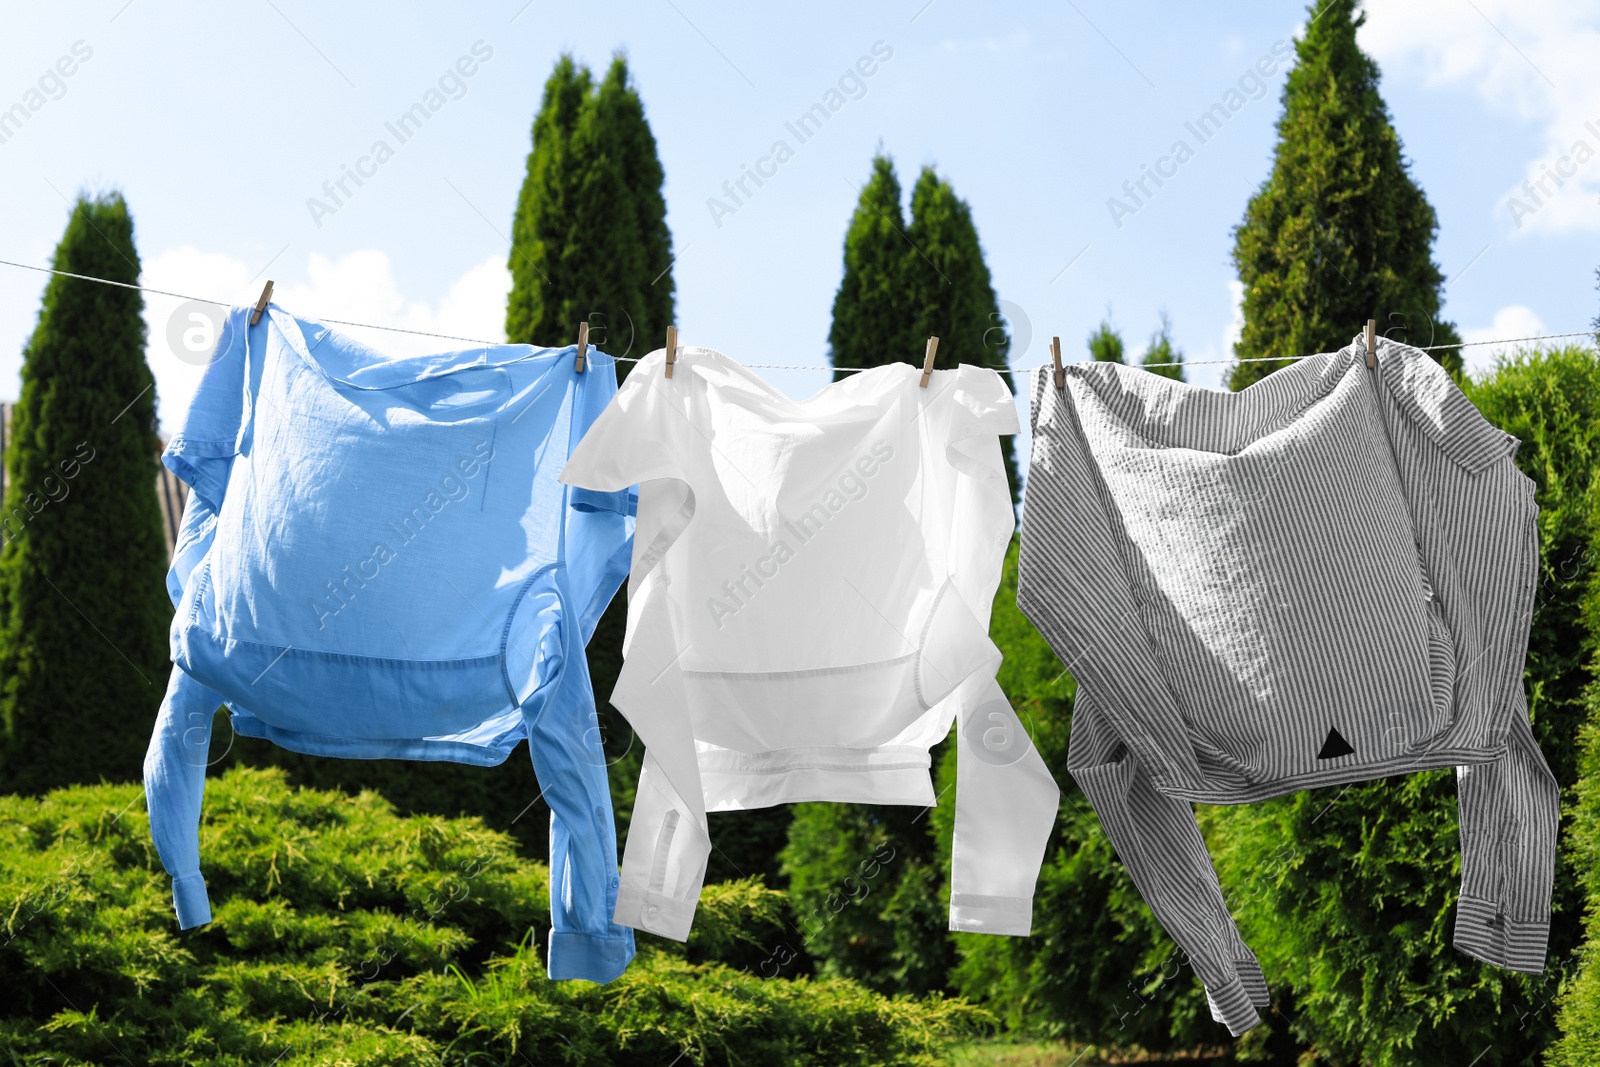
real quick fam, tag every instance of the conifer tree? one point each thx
(1163, 357)
(541, 229)
(590, 238)
(1573, 580)
(629, 137)
(871, 311)
(1105, 343)
(83, 602)
(1339, 233)
(590, 242)
(952, 296)
(905, 283)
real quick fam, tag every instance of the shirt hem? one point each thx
(1434, 759)
(419, 748)
(888, 774)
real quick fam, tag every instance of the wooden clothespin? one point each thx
(583, 346)
(1372, 343)
(1055, 359)
(672, 348)
(927, 361)
(261, 305)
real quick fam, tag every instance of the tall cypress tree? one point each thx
(871, 311)
(905, 283)
(541, 228)
(952, 296)
(1574, 582)
(83, 604)
(1163, 357)
(1339, 233)
(629, 139)
(590, 238)
(590, 242)
(1105, 343)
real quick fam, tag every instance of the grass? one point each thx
(1000, 1052)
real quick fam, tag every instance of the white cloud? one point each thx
(1534, 59)
(187, 270)
(1235, 328)
(359, 287)
(1516, 320)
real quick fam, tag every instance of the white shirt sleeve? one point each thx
(1006, 802)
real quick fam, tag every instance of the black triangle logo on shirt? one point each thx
(1335, 746)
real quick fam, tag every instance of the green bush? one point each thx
(346, 934)
(1579, 1019)
(869, 905)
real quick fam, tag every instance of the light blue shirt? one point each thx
(377, 561)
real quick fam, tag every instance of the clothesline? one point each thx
(768, 366)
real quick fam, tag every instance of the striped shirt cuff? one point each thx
(190, 900)
(1238, 1002)
(1484, 930)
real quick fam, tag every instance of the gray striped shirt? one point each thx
(1325, 578)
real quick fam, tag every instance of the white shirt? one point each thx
(808, 614)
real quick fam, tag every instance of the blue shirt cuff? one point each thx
(588, 956)
(190, 899)
(621, 501)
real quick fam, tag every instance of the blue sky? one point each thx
(220, 122)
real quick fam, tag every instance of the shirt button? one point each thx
(652, 911)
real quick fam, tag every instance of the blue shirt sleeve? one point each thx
(201, 453)
(174, 785)
(564, 741)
